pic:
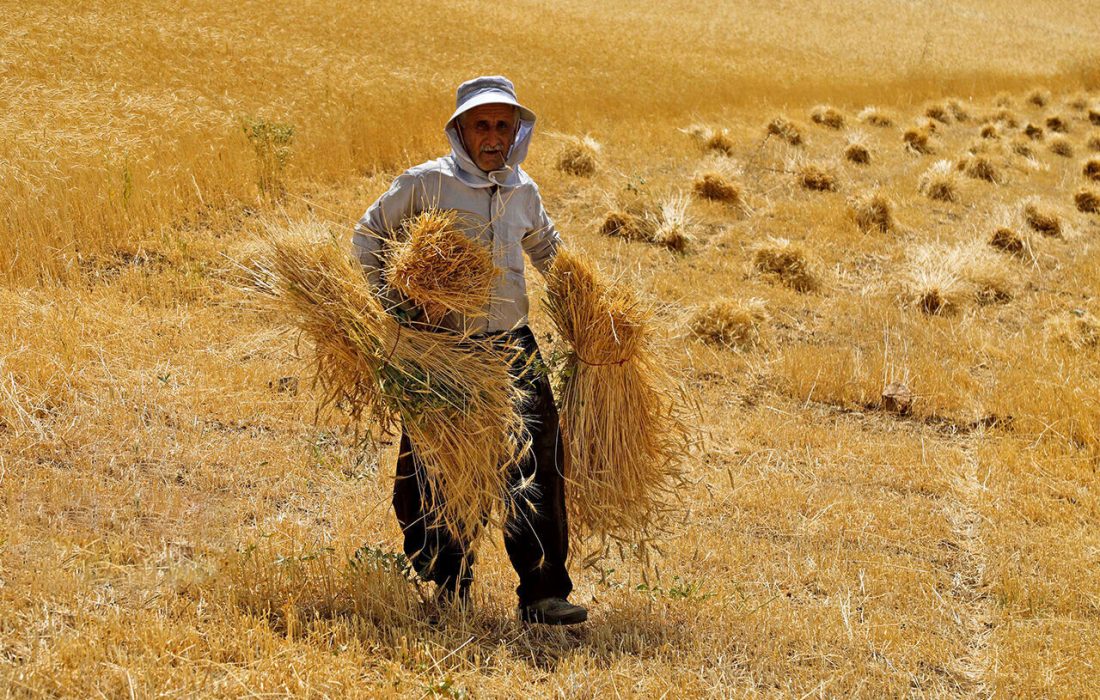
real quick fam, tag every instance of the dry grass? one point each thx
(790, 132)
(154, 423)
(1006, 118)
(1077, 328)
(1087, 201)
(990, 131)
(452, 395)
(437, 267)
(717, 187)
(873, 212)
(875, 116)
(828, 116)
(940, 182)
(1093, 143)
(618, 410)
(579, 156)
(734, 324)
(817, 177)
(1022, 147)
(788, 262)
(1094, 117)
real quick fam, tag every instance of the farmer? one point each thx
(498, 205)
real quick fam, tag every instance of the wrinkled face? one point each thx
(487, 133)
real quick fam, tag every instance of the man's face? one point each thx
(487, 133)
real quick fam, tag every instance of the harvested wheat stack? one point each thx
(939, 112)
(717, 187)
(1033, 132)
(671, 229)
(1057, 124)
(979, 146)
(437, 267)
(817, 177)
(990, 131)
(1093, 144)
(940, 280)
(1087, 201)
(1022, 147)
(1060, 146)
(939, 182)
(1091, 169)
(857, 151)
(738, 325)
(1094, 117)
(719, 142)
(872, 212)
(1006, 118)
(1008, 240)
(788, 262)
(1076, 328)
(875, 117)
(579, 156)
(918, 140)
(1079, 102)
(1038, 97)
(787, 130)
(1003, 99)
(979, 167)
(826, 115)
(933, 285)
(1041, 219)
(620, 417)
(958, 110)
(453, 395)
(624, 224)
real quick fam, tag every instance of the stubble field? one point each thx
(895, 489)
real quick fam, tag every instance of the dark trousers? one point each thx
(536, 536)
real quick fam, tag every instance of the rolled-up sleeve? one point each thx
(382, 224)
(542, 241)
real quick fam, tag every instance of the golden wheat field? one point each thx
(870, 231)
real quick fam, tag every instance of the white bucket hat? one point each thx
(486, 90)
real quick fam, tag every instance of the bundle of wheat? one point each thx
(918, 140)
(872, 211)
(1061, 146)
(787, 261)
(1057, 124)
(715, 186)
(1041, 219)
(1087, 201)
(1039, 97)
(786, 130)
(856, 150)
(738, 325)
(817, 177)
(453, 395)
(438, 267)
(981, 168)
(875, 117)
(939, 112)
(1091, 169)
(579, 156)
(939, 182)
(620, 414)
(827, 115)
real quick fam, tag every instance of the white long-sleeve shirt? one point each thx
(502, 210)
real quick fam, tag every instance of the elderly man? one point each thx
(498, 206)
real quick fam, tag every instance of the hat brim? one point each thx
(492, 97)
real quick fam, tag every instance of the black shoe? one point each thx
(553, 611)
